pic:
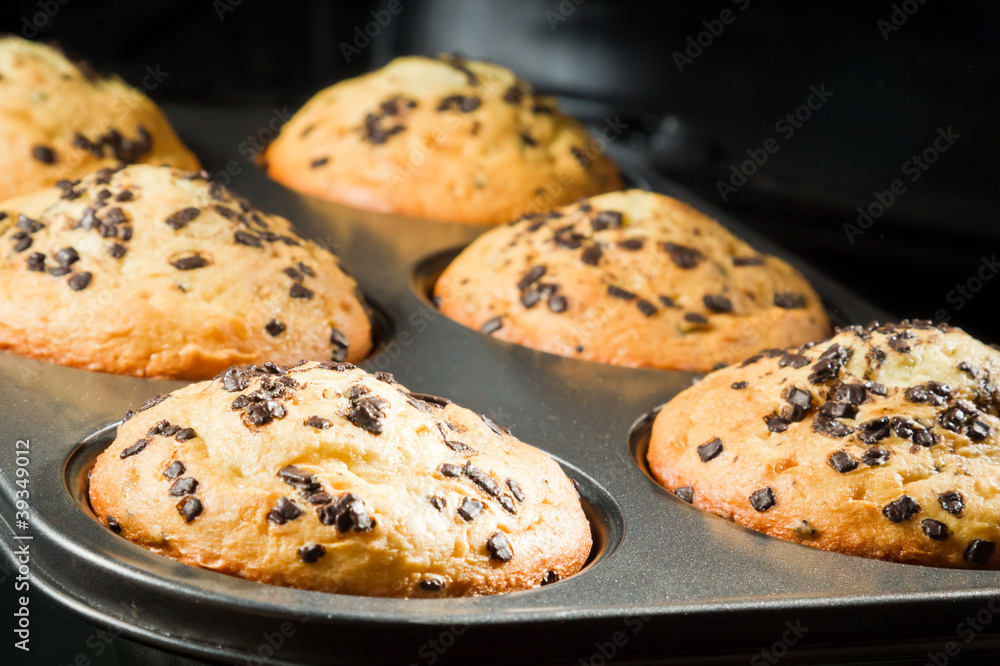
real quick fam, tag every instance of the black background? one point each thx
(893, 88)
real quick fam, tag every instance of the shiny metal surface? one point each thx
(672, 580)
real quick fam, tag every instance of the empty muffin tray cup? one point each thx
(663, 579)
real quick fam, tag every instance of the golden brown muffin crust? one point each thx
(155, 272)
(324, 477)
(631, 278)
(443, 138)
(60, 120)
(881, 442)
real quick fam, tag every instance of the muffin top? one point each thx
(443, 138)
(155, 272)
(631, 278)
(880, 442)
(324, 477)
(61, 119)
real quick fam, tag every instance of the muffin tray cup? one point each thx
(665, 579)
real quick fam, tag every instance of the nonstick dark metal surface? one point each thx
(671, 580)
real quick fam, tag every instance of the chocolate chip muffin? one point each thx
(443, 138)
(155, 272)
(881, 442)
(60, 120)
(630, 278)
(324, 477)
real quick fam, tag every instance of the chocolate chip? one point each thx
(317, 422)
(499, 548)
(235, 379)
(916, 394)
(459, 447)
(513, 95)
(592, 255)
(274, 327)
(79, 281)
(550, 577)
(875, 456)
(491, 326)
(924, 438)
(874, 430)
(836, 410)
(429, 399)
(739, 386)
(44, 154)
(667, 302)
(498, 429)
(298, 291)
(632, 244)
(580, 156)
(189, 263)
(685, 493)
(979, 551)
(367, 414)
(843, 462)
(113, 525)
(794, 360)
(748, 261)
(557, 304)
(185, 434)
(789, 301)
(23, 243)
(247, 238)
(432, 585)
(182, 218)
(67, 256)
(763, 499)
(284, 511)
(28, 225)
(899, 344)
(438, 503)
(606, 219)
(776, 423)
(318, 162)
(695, 318)
(117, 250)
(470, 509)
(978, 431)
(184, 486)
(190, 508)
(311, 552)
(934, 529)
(447, 469)
(646, 308)
(294, 274)
(299, 478)
(617, 292)
(515, 490)
(152, 402)
(125, 195)
(830, 427)
(710, 449)
(135, 448)
(532, 276)
(36, 262)
(799, 398)
(952, 502)
(347, 513)
(901, 509)
(683, 256)
(851, 393)
(824, 370)
(716, 303)
(174, 469)
(340, 345)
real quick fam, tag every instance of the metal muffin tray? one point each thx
(665, 579)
